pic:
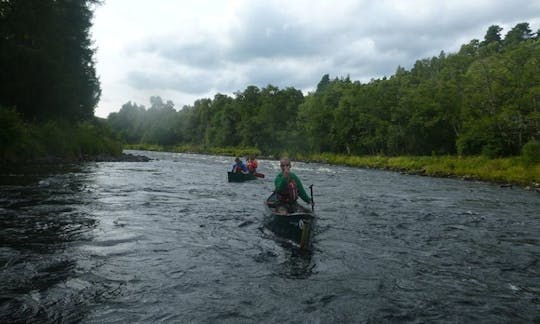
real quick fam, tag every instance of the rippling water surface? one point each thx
(171, 240)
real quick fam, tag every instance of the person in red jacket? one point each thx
(252, 164)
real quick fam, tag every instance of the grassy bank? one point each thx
(511, 170)
(21, 141)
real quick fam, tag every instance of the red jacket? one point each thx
(252, 165)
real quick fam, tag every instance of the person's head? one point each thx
(284, 162)
(237, 160)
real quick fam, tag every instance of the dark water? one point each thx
(171, 241)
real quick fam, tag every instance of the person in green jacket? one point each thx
(288, 185)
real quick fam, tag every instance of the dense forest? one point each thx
(484, 99)
(48, 83)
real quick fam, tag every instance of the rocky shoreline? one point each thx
(124, 157)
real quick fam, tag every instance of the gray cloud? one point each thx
(202, 52)
(191, 83)
(274, 43)
(266, 32)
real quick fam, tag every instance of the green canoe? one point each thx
(240, 177)
(295, 222)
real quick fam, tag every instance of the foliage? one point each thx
(531, 152)
(47, 60)
(234, 151)
(49, 80)
(10, 126)
(12, 134)
(53, 139)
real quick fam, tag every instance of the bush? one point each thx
(21, 141)
(11, 128)
(12, 134)
(530, 153)
(492, 151)
(470, 143)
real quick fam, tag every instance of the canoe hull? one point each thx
(294, 222)
(240, 177)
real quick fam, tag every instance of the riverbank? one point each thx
(56, 141)
(507, 172)
(7, 165)
(504, 171)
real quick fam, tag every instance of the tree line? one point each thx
(484, 99)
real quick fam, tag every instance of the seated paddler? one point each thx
(239, 166)
(252, 164)
(288, 186)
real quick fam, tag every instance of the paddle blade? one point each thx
(259, 175)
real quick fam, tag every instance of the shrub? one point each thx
(12, 134)
(530, 153)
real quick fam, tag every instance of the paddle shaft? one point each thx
(312, 201)
(306, 227)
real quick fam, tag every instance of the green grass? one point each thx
(501, 170)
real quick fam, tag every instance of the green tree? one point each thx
(223, 122)
(160, 123)
(519, 33)
(323, 84)
(492, 41)
(47, 60)
(128, 123)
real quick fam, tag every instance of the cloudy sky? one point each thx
(183, 50)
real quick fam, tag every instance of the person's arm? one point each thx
(302, 192)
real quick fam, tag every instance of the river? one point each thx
(171, 240)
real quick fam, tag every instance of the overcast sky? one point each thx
(183, 50)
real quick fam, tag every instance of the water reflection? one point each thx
(296, 262)
(299, 265)
(40, 223)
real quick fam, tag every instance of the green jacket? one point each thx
(282, 183)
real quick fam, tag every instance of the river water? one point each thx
(171, 240)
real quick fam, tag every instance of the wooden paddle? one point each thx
(258, 175)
